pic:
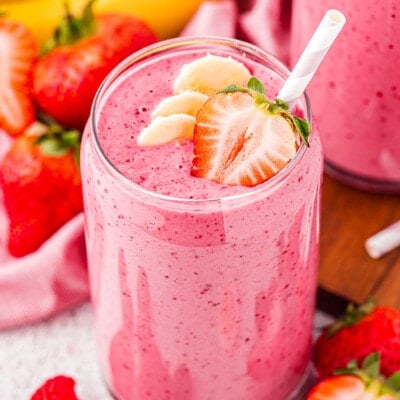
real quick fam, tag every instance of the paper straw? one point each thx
(383, 241)
(315, 51)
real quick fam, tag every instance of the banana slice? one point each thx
(187, 102)
(211, 73)
(165, 129)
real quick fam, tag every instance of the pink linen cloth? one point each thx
(54, 277)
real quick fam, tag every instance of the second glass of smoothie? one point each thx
(201, 291)
(356, 92)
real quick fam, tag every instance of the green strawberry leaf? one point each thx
(282, 104)
(394, 382)
(371, 365)
(52, 146)
(303, 127)
(255, 85)
(71, 138)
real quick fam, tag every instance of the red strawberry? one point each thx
(41, 182)
(358, 384)
(358, 333)
(241, 138)
(82, 53)
(18, 53)
(57, 388)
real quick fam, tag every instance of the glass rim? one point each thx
(170, 44)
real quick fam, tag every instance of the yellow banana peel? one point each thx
(166, 17)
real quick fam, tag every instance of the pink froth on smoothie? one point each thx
(201, 291)
(356, 93)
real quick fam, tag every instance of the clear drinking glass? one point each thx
(356, 91)
(197, 299)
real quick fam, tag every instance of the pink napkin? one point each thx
(267, 24)
(217, 18)
(54, 277)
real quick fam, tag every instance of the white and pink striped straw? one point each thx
(384, 241)
(309, 61)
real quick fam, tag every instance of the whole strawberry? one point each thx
(41, 182)
(18, 53)
(58, 388)
(83, 51)
(359, 332)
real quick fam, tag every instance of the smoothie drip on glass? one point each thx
(201, 291)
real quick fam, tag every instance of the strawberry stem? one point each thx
(57, 141)
(71, 28)
(351, 316)
(277, 107)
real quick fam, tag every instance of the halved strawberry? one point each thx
(353, 383)
(18, 53)
(345, 387)
(241, 138)
(338, 388)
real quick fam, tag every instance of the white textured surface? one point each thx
(61, 345)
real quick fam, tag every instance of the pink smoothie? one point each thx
(356, 92)
(201, 291)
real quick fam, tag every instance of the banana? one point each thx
(174, 117)
(211, 73)
(162, 130)
(187, 102)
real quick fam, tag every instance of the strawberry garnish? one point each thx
(82, 52)
(18, 53)
(359, 332)
(41, 183)
(58, 388)
(353, 383)
(242, 138)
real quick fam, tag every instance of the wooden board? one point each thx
(349, 217)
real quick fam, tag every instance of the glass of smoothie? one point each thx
(201, 290)
(356, 93)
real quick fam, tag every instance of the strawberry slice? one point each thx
(237, 142)
(18, 53)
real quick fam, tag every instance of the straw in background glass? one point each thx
(384, 241)
(312, 56)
